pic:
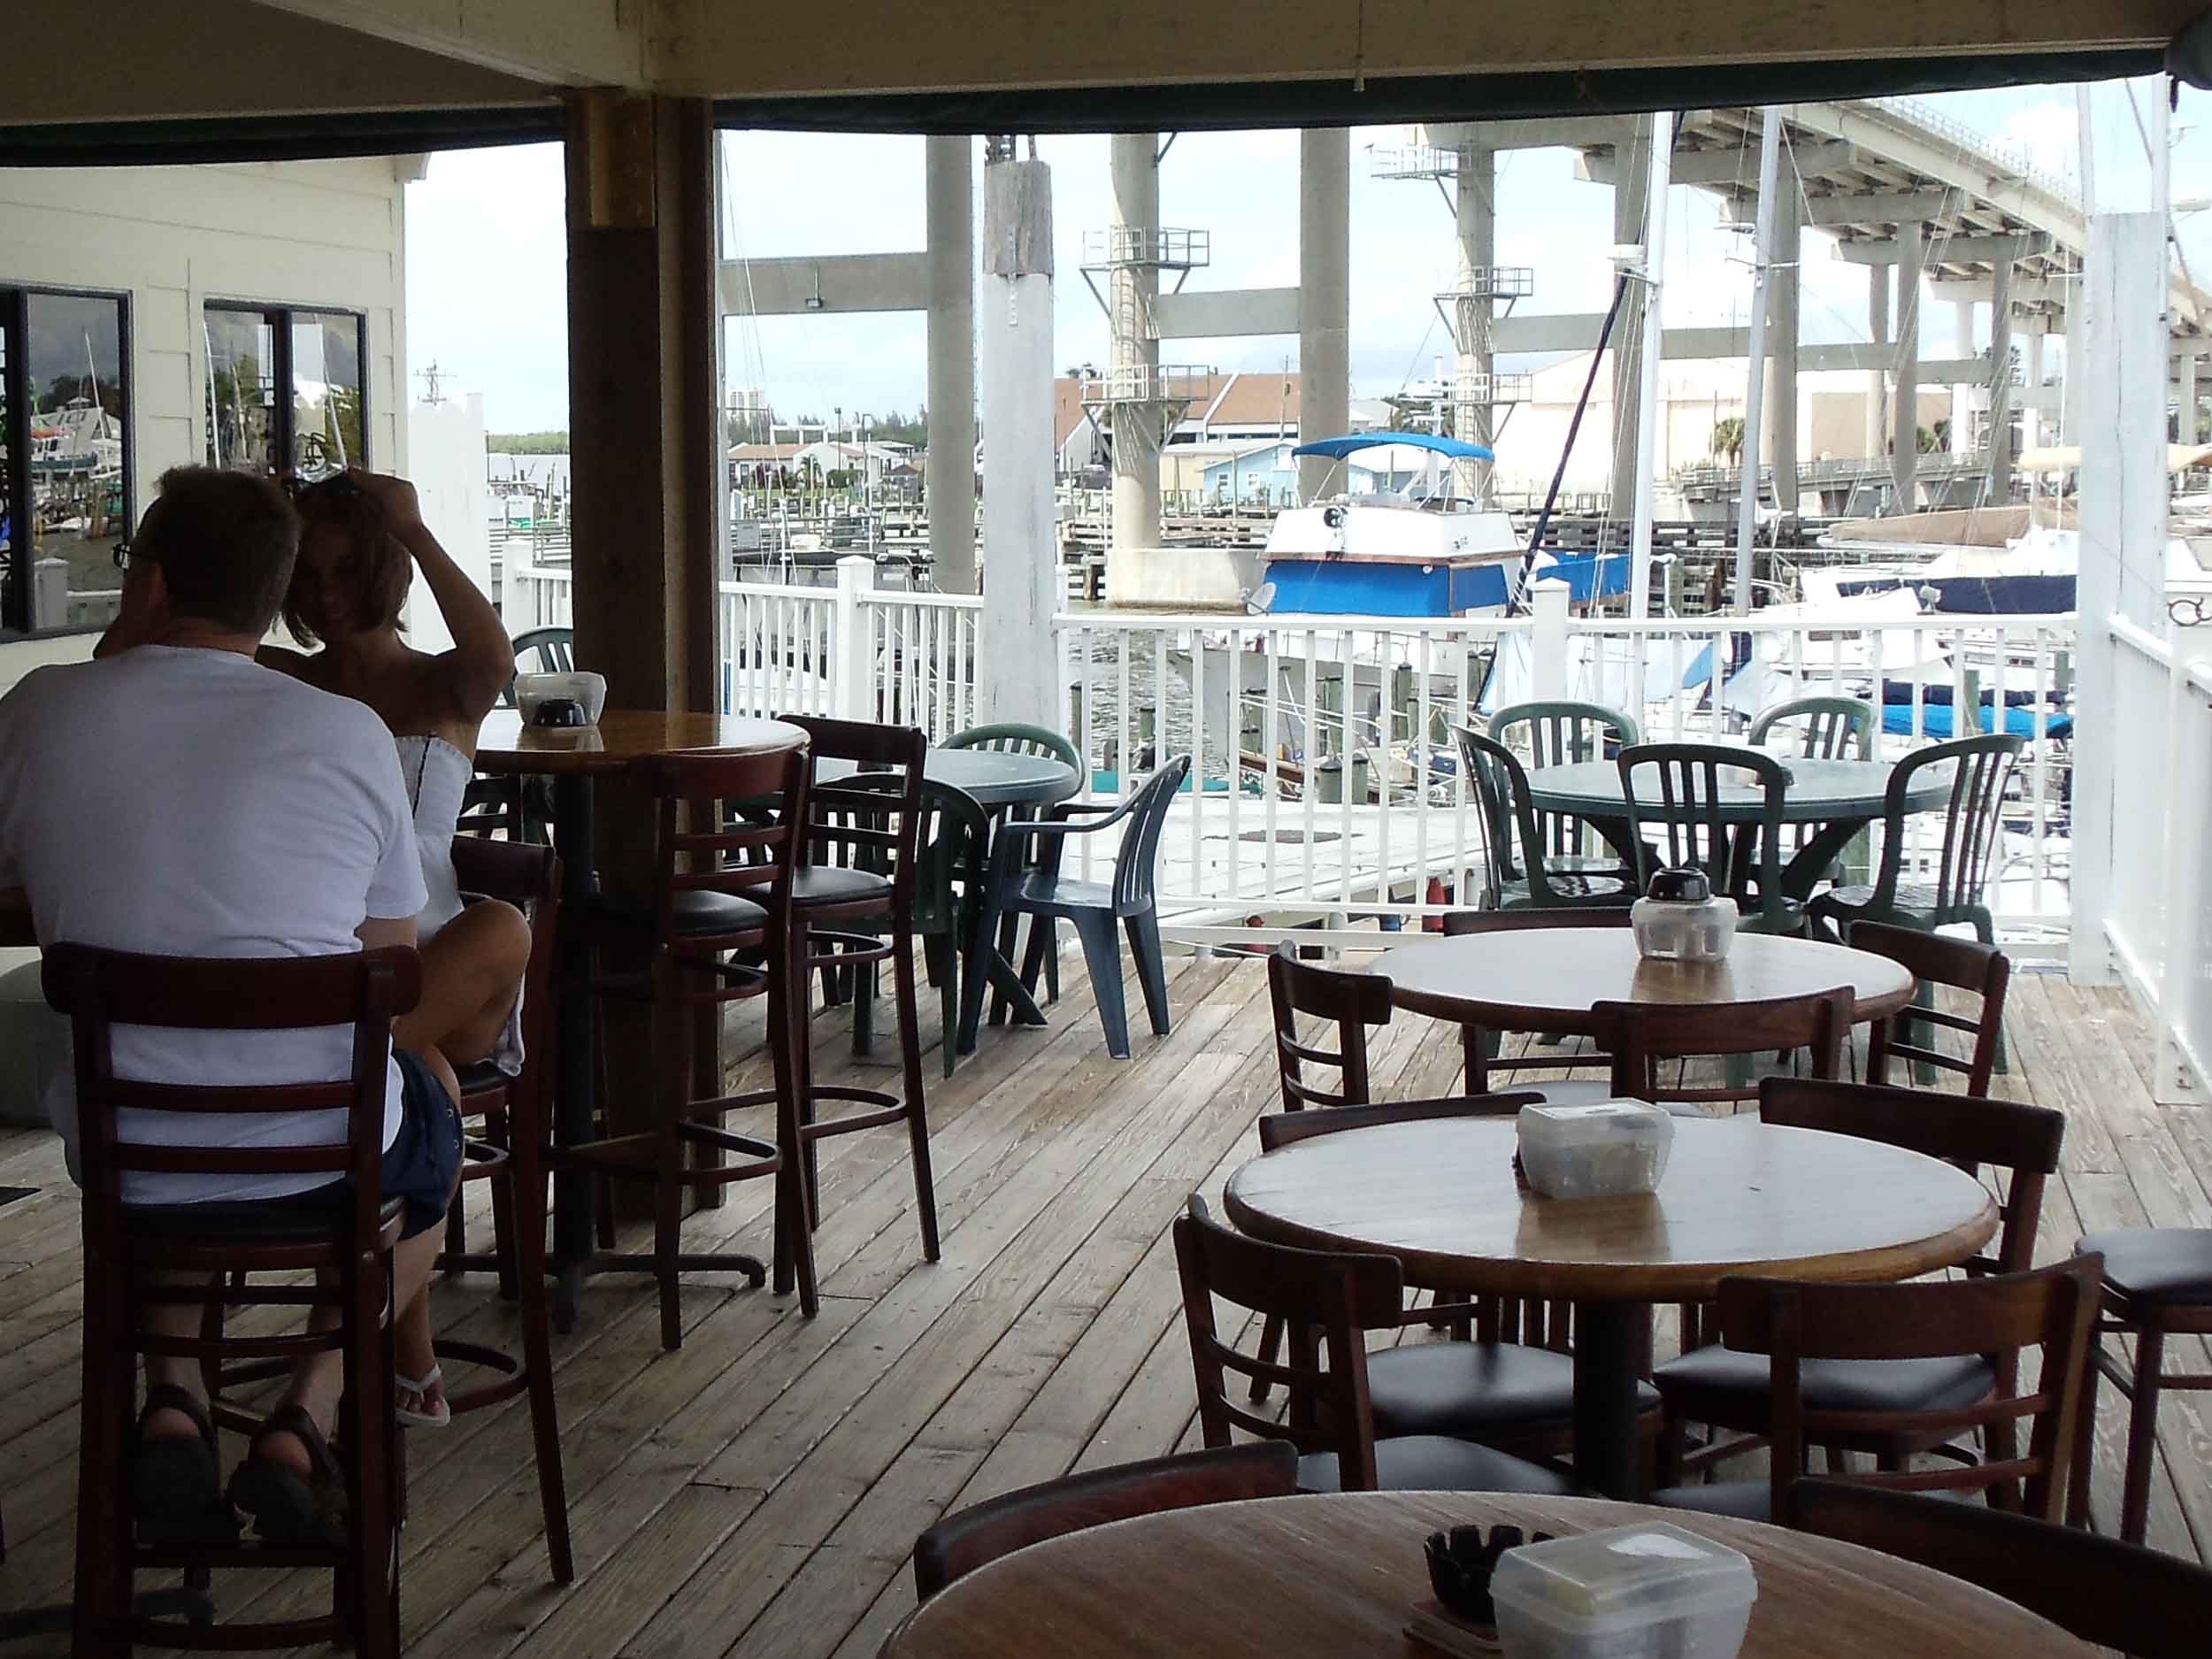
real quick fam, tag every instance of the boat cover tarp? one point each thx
(1352, 443)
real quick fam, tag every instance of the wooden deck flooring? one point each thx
(757, 1491)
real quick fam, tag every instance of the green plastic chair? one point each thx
(1562, 734)
(1836, 728)
(1973, 819)
(554, 649)
(1673, 795)
(1519, 873)
(1011, 737)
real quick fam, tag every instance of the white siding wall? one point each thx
(309, 234)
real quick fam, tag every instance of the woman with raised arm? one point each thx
(361, 540)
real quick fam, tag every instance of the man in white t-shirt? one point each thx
(171, 797)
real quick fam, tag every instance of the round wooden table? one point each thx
(1337, 1577)
(573, 756)
(1548, 979)
(1738, 1196)
(1843, 797)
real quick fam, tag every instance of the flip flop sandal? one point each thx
(176, 1480)
(440, 1418)
(290, 1511)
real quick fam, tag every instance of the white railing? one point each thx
(778, 649)
(2155, 902)
(923, 649)
(537, 597)
(1326, 777)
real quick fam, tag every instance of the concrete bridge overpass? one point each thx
(1934, 212)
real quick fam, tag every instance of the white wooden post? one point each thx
(2122, 382)
(1547, 643)
(851, 650)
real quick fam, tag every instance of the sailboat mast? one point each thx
(1647, 410)
(1754, 387)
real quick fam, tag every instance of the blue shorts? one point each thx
(420, 1165)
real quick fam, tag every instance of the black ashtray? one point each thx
(1461, 1562)
(559, 711)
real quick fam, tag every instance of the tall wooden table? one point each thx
(1738, 1196)
(574, 757)
(1335, 1577)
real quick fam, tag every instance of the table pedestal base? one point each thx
(1609, 1341)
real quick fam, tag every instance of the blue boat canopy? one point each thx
(1337, 448)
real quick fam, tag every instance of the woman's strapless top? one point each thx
(437, 776)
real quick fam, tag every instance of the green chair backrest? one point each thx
(1836, 728)
(555, 649)
(1013, 738)
(1973, 818)
(1673, 792)
(1560, 733)
(1513, 842)
(956, 839)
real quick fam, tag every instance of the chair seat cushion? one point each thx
(697, 912)
(1911, 895)
(837, 884)
(1432, 1463)
(1473, 1390)
(482, 1078)
(308, 1217)
(2157, 1264)
(1716, 1385)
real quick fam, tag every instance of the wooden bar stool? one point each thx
(719, 930)
(334, 1253)
(2157, 1284)
(853, 906)
(509, 1152)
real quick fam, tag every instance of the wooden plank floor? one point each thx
(757, 1491)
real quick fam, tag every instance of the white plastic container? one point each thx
(580, 685)
(1617, 1149)
(1648, 1592)
(1681, 919)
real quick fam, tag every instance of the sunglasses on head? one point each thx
(336, 487)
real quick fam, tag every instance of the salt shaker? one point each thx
(1680, 918)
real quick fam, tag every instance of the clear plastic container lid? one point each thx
(1624, 1577)
(1603, 1122)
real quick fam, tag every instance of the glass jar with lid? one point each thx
(1680, 919)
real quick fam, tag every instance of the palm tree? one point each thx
(1728, 440)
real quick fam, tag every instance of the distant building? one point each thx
(1226, 414)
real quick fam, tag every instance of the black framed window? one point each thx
(285, 389)
(64, 456)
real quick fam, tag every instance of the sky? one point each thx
(487, 285)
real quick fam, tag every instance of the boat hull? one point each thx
(1377, 588)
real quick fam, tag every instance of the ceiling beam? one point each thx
(1947, 249)
(1578, 331)
(559, 42)
(891, 46)
(1727, 166)
(154, 63)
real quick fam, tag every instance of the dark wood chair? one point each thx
(1642, 1034)
(2157, 1284)
(1479, 1046)
(1797, 1325)
(960, 1543)
(507, 1150)
(1673, 792)
(1934, 959)
(1327, 1302)
(1091, 908)
(2110, 1594)
(1729, 1390)
(853, 908)
(332, 1254)
(719, 930)
(1355, 1002)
